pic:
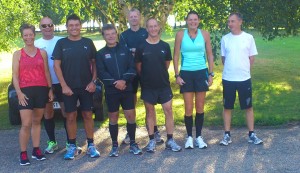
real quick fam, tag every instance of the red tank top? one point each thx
(32, 70)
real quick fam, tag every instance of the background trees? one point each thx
(270, 17)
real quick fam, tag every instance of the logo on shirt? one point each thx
(162, 51)
(85, 47)
(107, 56)
(122, 54)
(146, 53)
(65, 49)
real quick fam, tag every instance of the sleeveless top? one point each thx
(193, 52)
(32, 70)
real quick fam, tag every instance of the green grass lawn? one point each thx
(275, 77)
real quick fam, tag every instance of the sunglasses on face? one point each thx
(47, 25)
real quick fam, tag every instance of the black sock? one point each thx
(115, 144)
(90, 141)
(199, 123)
(65, 125)
(50, 126)
(72, 141)
(113, 130)
(188, 120)
(250, 133)
(151, 136)
(169, 136)
(155, 129)
(227, 132)
(131, 128)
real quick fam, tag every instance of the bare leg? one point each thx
(250, 119)
(88, 124)
(24, 135)
(150, 116)
(227, 119)
(36, 127)
(167, 107)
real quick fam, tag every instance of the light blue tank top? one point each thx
(193, 52)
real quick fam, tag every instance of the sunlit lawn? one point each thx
(275, 77)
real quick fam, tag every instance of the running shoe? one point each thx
(92, 151)
(151, 146)
(226, 140)
(24, 159)
(37, 154)
(254, 139)
(126, 140)
(52, 146)
(199, 142)
(189, 143)
(158, 138)
(114, 152)
(134, 148)
(172, 145)
(79, 149)
(71, 152)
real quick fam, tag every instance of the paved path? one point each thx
(279, 153)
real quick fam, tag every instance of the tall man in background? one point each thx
(131, 38)
(47, 43)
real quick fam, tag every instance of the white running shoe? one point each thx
(189, 143)
(199, 142)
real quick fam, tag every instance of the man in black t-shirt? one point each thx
(75, 68)
(116, 69)
(132, 38)
(152, 59)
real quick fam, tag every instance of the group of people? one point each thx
(68, 68)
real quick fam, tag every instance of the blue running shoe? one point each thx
(150, 148)
(92, 151)
(114, 151)
(134, 148)
(71, 152)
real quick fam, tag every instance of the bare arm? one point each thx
(138, 68)
(65, 88)
(251, 58)
(178, 40)
(15, 73)
(209, 55)
(91, 87)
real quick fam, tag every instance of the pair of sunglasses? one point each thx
(47, 25)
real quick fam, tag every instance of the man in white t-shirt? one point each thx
(237, 50)
(47, 43)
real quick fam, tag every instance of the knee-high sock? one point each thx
(188, 120)
(131, 128)
(113, 130)
(50, 126)
(199, 123)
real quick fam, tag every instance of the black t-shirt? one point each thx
(154, 74)
(75, 59)
(132, 39)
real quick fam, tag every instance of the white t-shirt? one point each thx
(237, 49)
(48, 46)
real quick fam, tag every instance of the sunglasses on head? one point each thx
(47, 25)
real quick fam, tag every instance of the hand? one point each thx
(91, 87)
(210, 80)
(66, 90)
(50, 95)
(22, 99)
(180, 81)
(120, 84)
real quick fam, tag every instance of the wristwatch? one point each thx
(176, 76)
(212, 74)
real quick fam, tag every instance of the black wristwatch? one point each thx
(176, 76)
(212, 74)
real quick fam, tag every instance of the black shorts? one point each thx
(195, 81)
(135, 84)
(85, 98)
(57, 91)
(244, 89)
(125, 99)
(154, 96)
(37, 97)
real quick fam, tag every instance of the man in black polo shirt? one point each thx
(152, 59)
(75, 68)
(131, 38)
(116, 69)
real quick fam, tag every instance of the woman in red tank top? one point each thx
(32, 82)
